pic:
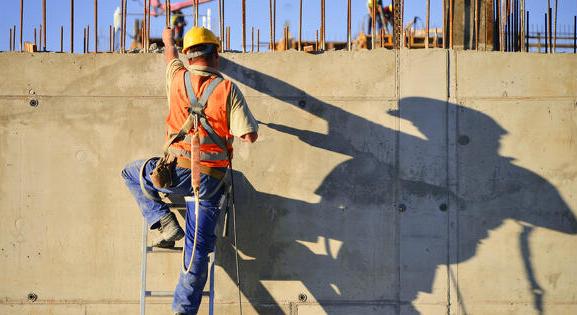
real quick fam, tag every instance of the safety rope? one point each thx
(195, 180)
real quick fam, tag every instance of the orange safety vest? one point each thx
(216, 115)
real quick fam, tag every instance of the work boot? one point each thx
(170, 232)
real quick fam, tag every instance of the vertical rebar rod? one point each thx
(84, 41)
(522, 22)
(258, 40)
(252, 39)
(450, 24)
(288, 34)
(21, 24)
(301, 23)
(444, 24)
(144, 27)
(546, 37)
(476, 28)
(61, 38)
(575, 34)
(110, 38)
(167, 12)
(555, 30)
(71, 26)
(324, 31)
(349, 17)
(373, 22)
(10, 43)
(40, 37)
(35, 42)
(43, 25)
(228, 37)
(551, 30)
(274, 24)
(13, 37)
(220, 30)
(147, 29)
(270, 23)
(317, 40)
(243, 9)
(427, 24)
(196, 3)
(88, 38)
(95, 26)
(485, 26)
(124, 21)
(285, 41)
(527, 32)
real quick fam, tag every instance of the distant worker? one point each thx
(205, 112)
(178, 23)
(384, 16)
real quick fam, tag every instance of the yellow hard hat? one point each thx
(198, 36)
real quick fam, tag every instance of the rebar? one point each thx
(427, 24)
(349, 17)
(274, 24)
(110, 38)
(14, 38)
(252, 39)
(95, 26)
(220, 25)
(373, 22)
(71, 26)
(147, 29)
(450, 24)
(35, 42)
(485, 19)
(476, 28)
(243, 22)
(258, 40)
(196, 12)
(124, 26)
(44, 25)
(317, 40)
(546, 37)
(167, 12)
(10, 43)
(555, 30)
(21, 24)
(575, 34)
(323, 26)
(527, 32)
(228, 37)
(271, 45)
(61, 38)
(84, 41)
(551, 30)
(144, 28)
(40, 37)
(301, 23)
(87, 38)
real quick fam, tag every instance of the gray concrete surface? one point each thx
(447, 186)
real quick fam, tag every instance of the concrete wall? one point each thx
(444, 185)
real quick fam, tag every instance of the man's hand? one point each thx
(249, 137)
(167, 37)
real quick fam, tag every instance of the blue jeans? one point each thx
(188, 292)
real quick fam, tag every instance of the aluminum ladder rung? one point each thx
(144, 293)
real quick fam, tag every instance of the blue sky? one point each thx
(58, 13)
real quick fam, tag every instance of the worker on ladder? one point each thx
(205, 112)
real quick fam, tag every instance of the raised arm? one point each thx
(170, 52)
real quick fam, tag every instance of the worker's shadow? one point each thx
(359, 245)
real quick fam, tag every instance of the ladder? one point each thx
(145, 293)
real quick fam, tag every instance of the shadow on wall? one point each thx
(357, 220)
